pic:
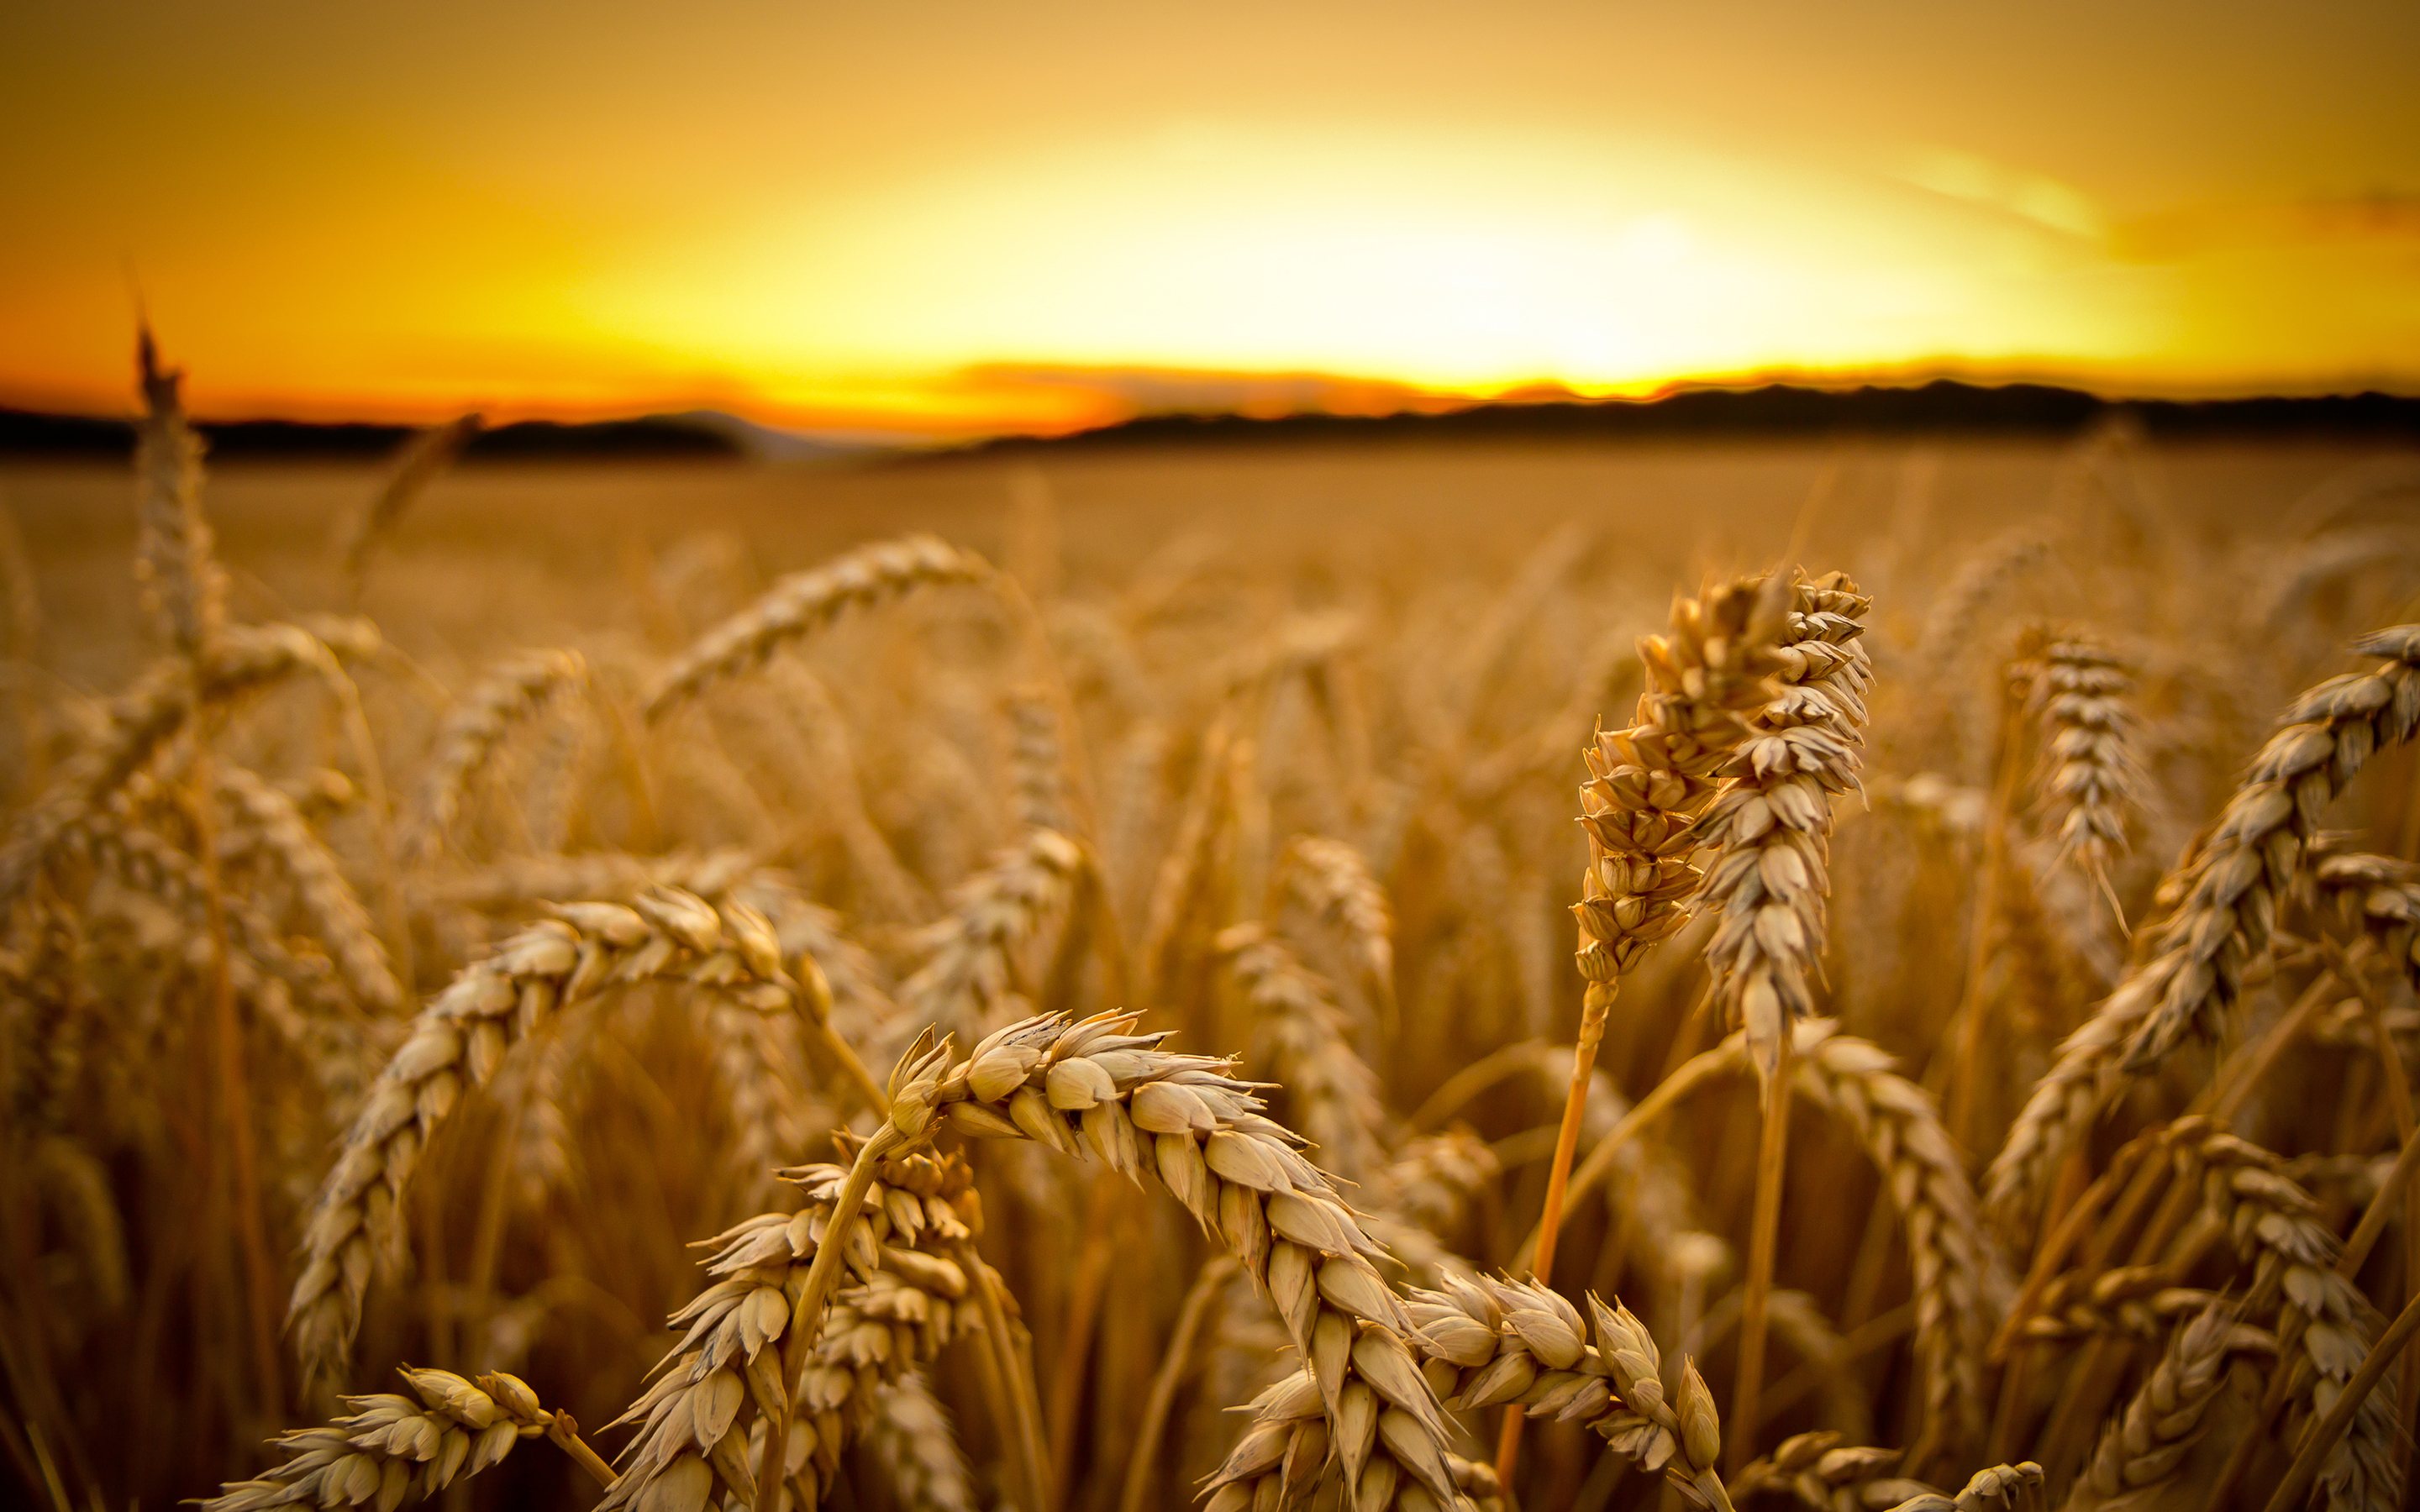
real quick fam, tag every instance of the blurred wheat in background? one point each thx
(1067, 1010)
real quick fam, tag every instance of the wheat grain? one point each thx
(800, 602)
(2189, 969)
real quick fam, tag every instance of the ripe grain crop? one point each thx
(1096, 1035)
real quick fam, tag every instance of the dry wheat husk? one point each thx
(392, 1447)
(803, 601)
(1303, 1036)
(1771, 822)
(271, 824)
(2224, 894)
(510, 693)
(2145, 1445)
(461, 1036)
(1491, 1341)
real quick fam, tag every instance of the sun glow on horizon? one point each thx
(1190, 252)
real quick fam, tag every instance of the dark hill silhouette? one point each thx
(1941, 406)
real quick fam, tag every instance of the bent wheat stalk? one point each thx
(2227, 890)
(803, 601)
(460, 1037)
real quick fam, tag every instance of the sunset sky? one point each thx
(950, 219)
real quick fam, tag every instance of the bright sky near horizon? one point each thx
(953, 217)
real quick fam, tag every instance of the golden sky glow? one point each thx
(959, 218)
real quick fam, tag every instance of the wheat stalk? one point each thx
(459, 1038)
(803, 601)
(2225, 891)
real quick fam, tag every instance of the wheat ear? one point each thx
(2227, 890)
(273, 823)
(1490, 1341)
(1826, 1475)
(149, 714)
(912, 1439)
(903, 1301)
(2147, 1443)
(459, 1039)
(802, 601)
(392, 1447)
(1092, 1086)
(2090, 780)
(1333, 880)
(423, 459)
(1771, 826)
(1300, 1032)
(969, 955)
(2274, 1225)
(177, 575)
(512, 692)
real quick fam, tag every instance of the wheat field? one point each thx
(1865, 974)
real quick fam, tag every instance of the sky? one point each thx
(950, 219)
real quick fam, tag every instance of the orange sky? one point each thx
(925, 217)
